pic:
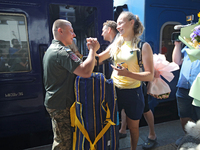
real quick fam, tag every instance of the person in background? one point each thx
(2, 62)
(20, 62)
(16, 47)
(128, 79)
(188, 73)
(149, 117)
(109, 33)
(60, 65)
(74, 49)
(13, 51)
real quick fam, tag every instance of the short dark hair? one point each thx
(14, 40)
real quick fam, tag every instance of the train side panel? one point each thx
(21, 88)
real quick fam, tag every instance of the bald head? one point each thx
(60, 23)
(63, 31)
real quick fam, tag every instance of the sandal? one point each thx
(149, 143)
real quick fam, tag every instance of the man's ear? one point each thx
(109, 29)
(59, 30)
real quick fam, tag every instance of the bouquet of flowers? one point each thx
(195, 37)
(158, 88)
(190, 35)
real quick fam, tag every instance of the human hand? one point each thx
(121, 70)
(177, 43)
(93, 44)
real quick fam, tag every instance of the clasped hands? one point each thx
(93, 44)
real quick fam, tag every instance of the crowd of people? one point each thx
(61, 65)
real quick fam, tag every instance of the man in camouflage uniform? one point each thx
(60, 67)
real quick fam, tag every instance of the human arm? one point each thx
(24, 64)
(85, 68)
(104, 55)
(147, 58)
(74, 48)
(176, 55)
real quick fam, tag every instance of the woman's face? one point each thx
(125, 26)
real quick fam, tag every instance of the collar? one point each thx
(57, 42)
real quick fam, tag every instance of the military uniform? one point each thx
(59, 63)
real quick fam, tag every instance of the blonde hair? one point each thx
(138, 29)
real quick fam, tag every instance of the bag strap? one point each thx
(139, 54)
(75, 122)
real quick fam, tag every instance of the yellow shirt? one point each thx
(128, 56)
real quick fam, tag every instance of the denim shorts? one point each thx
(132, 101)
(197, 113)
(184, 104)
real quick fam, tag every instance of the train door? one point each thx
(83, 19)
(166, 43)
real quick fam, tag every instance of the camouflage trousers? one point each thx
(61, 125)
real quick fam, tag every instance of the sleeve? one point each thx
(68, 59)
(183, 52)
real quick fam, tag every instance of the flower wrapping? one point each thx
(194, 54)
(158, 87)
(194, 91)
(190, 36)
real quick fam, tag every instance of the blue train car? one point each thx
(159, 19)
(25, 29)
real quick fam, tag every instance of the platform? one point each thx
(167, 133)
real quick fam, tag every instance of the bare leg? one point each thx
(150, 121)
(133, 126)
(123, 123)
(184, 122)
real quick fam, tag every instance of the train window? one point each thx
(166, 44)
(14, 49)
(83, 19)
